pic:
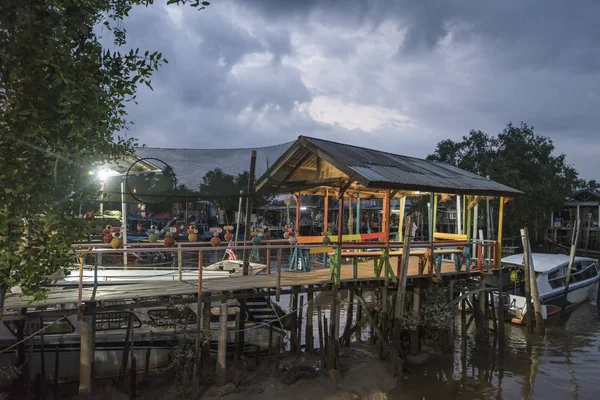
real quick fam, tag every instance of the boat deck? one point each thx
(217, 286)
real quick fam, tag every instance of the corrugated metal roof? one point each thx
(386, 169)
(382, 170)
(190, 165)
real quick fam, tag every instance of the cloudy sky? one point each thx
(398, 75)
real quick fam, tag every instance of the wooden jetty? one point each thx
(341, 173)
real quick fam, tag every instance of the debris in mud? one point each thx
(297, 372)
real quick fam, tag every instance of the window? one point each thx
(56, 326)
(583, 270)
(169, 317)
(557, 278)
(115, 320)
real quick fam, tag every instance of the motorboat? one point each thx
(156, 334)
(551, 277)
(138, 272)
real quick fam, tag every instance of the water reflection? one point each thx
(563, 364)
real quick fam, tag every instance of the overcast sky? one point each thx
(395, 75)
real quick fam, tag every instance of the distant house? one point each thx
(584, 203)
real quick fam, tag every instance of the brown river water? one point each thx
(562, 364)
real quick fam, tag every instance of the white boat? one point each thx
(156, 331)
(551, 273)
(221, 269)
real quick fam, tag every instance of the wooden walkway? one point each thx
(229, 286)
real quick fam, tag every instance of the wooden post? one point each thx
(249, 209)
(299, 335)
(458, 215)
(125, 354)
(221, 372)
(359, 315)
(200, 263)
(475, 223)
(527, 270)
(268, 259)
(206, 333)
(278, 284)
(498, 259)
(435, 207)
(321, 337)
(500, 307)
(198, 344)
(402, 278)
(237, 348)
(326, 211)
(42, 359)
(535, 297)
(86, 355)
(386, 216)
(298, 211)
(384, 309)
(358, 213)
(334, 335)
(309, 323)
(416, 308)
(294, 316)
(574, 240)
(349, 318)
(401, 218)
(56, 366)
(180, 262)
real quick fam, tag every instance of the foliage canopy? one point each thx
(522, 159)
(63, 100)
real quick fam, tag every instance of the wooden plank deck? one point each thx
(116, 292)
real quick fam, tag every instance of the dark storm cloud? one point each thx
(399, 75)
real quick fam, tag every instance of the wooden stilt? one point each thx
(384, 310)
(221, 370)
(206, 334)
(86, 355)
(294, 322)
(321, 337)
(349, 318)
(237, 348)
(56, 371)
(299, 335)
(278, 284)
(416, 308)
(535, 297)
(359, 315)
(42, 360)
(309, 323)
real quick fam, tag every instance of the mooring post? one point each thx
(86, 355)
(528, 279)
(401, 291)
(535, 296)
(333, 330)
(309, 322)
(221, 372)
